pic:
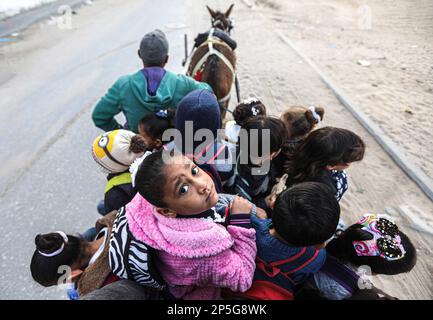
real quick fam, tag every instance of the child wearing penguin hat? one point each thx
(115, 151)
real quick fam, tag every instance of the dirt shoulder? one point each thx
(395, 38)
(276, 75)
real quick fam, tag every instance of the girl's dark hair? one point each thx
(156, 123)
(323, 147)
(278, 132)
(300, 120)
(306, 214)
(248, 109)
(45, 270)
(150, 180)
(342, 248)
(137, 145)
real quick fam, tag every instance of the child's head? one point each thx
(54, 250)
(326, 148)
(377, 242)
(247, 109)
(116, 150)
(300, 121)
(256, 127)
(200, 109)
(152, 127)
(175, 185)
(306, 214)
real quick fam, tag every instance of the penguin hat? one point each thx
(116, 150)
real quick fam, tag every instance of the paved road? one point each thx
(49, 81)
(51, 78)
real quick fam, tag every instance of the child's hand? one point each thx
(260, 213)
(240, 205)
(270, 200)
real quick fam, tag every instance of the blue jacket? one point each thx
(298, 263)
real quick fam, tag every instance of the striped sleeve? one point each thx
(240, 220)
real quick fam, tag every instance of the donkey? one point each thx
(214, 61)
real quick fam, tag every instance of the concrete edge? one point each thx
(419, 177)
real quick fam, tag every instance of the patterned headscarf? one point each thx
(386, 242)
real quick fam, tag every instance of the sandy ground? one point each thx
(396, 37)
(53, 77)
(280, 78)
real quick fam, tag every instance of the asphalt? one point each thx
(49, 81)
(19, 22)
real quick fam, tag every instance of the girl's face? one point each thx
(188, 190)
(150, 142)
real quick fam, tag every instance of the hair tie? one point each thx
(254, 111)
(163, 113)
(133, 168)
(58, 251)
(316, 116)
(251, 100)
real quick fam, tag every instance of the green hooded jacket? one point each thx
(129, 95)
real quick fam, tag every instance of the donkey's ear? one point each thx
(212, 13)
(229, 10)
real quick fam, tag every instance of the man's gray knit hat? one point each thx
(154, 47)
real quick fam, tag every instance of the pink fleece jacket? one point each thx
(196, 257)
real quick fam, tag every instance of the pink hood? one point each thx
(181, 237)
(196, 257)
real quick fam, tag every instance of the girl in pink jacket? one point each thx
(176, 212)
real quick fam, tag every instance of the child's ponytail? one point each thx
(314, 115)
(247, 109)
(54, 250)
(138, 145)
(301, 120)
(156, 123)
(49, 243)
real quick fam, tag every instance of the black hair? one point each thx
(137, 145)
(156, 123)
(150, 180)
(323, 147)
(45, 270)
(248, 109)
(306, 214)
(342, 248)
(278, 132)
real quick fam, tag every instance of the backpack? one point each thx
(281, 279)
(270, 282)
(131, 259)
